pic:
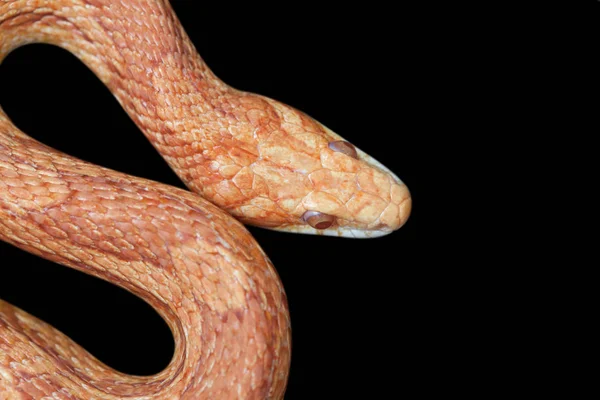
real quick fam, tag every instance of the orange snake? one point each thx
(259, 160)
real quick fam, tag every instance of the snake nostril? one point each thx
(318, 220)
(342, 146)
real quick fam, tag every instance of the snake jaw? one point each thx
(350, 233)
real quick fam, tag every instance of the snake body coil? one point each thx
(259, 160)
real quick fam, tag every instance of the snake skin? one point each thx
(259, 160)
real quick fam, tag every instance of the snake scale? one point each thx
(240, 154)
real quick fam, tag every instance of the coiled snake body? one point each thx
(259, 160)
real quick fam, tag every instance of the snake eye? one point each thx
(318, 220)
(342, 146)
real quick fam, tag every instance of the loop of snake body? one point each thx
(248, 156)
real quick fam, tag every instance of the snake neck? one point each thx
(139, 50)
(210, 134)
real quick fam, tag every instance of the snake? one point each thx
(245, 158)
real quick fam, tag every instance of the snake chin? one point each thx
(352, 233)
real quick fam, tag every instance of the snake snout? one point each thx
(398, 210)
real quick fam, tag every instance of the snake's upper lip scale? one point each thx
(337, 232)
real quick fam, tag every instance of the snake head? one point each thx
(302, 177)
(371, 200)
(353, 195)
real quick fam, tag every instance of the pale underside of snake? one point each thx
(259, 160)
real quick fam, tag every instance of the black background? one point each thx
(355, 304)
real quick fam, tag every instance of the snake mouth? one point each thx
(345, 232)
(327, 225)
